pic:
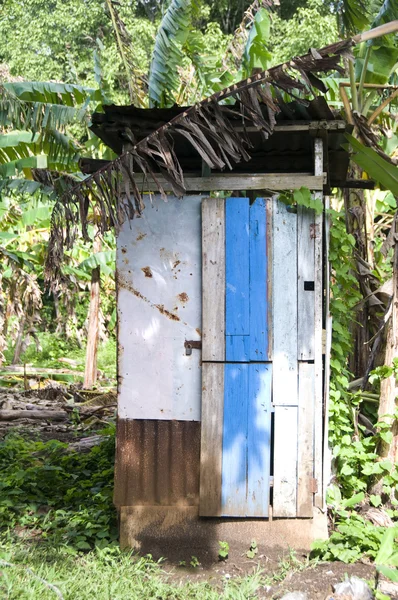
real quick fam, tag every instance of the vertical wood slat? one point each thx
(237, 266)
(285, 461)
(327, 458)
(258, 282)
(211, 439)
(305, 462)
(284, 306)
(305, 278)
(234, 446)
(213, 279)
(237, 348)
(318, 408)
(259, 440)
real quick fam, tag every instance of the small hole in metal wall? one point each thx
(309, 286)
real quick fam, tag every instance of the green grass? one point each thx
(107, 574)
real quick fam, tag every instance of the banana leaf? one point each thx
(383, 172)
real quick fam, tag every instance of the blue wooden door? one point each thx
(238, 401)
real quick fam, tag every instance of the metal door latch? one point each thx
(189, 344)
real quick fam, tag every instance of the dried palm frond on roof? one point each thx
(208, 126)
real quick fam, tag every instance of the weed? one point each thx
(253, 550)
(223, 550)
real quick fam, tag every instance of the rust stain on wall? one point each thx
(166, 312)
(176, 263)
(160, 307)
(183, 297)
(157, 463)
(140, 236)
(147, 271)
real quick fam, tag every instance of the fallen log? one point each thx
(42, 415)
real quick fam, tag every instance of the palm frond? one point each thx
(39, 106)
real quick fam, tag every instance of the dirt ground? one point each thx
(316, 580)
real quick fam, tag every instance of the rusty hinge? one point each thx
(190, 344)
(314, 485)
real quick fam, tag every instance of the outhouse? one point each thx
(222, 308)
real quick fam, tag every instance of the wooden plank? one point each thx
(234, 447)
(284, 303)
(211, 439)
(305, 283)
(258, 282)
(244, 181)
(259, 440)
(213, 279)
(237, 348)
(318, 407)
(327, 456)
(237, 267)
(285, 462)
(305, 461)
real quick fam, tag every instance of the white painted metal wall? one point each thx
(159, 307)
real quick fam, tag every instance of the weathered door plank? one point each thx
(237, 266)
(305, 462)
(284, 306)
(259, 440)
(285, 461)
(258, 282)
(234, 447)
(213, 279)
(211, 439)
(305, 282)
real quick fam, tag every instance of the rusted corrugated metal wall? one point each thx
(157, 463)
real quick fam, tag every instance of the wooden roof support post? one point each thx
(318, 400)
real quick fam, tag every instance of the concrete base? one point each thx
(173, 531)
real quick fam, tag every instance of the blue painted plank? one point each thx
(237, 266)
(234, 447)
(259, 331)
(237, 348)
(259, 440)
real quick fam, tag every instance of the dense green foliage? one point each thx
(56, 495)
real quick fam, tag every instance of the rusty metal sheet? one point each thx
(157, 463)
(159, 309)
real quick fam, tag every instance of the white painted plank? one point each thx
(284, 306)
(213, 279)
(318, 408)
(285, 462)
(211, 439)
(305, 282)
(305, 462)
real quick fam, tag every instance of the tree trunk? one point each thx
(389, 386)
(19, 342)
(90, 373)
